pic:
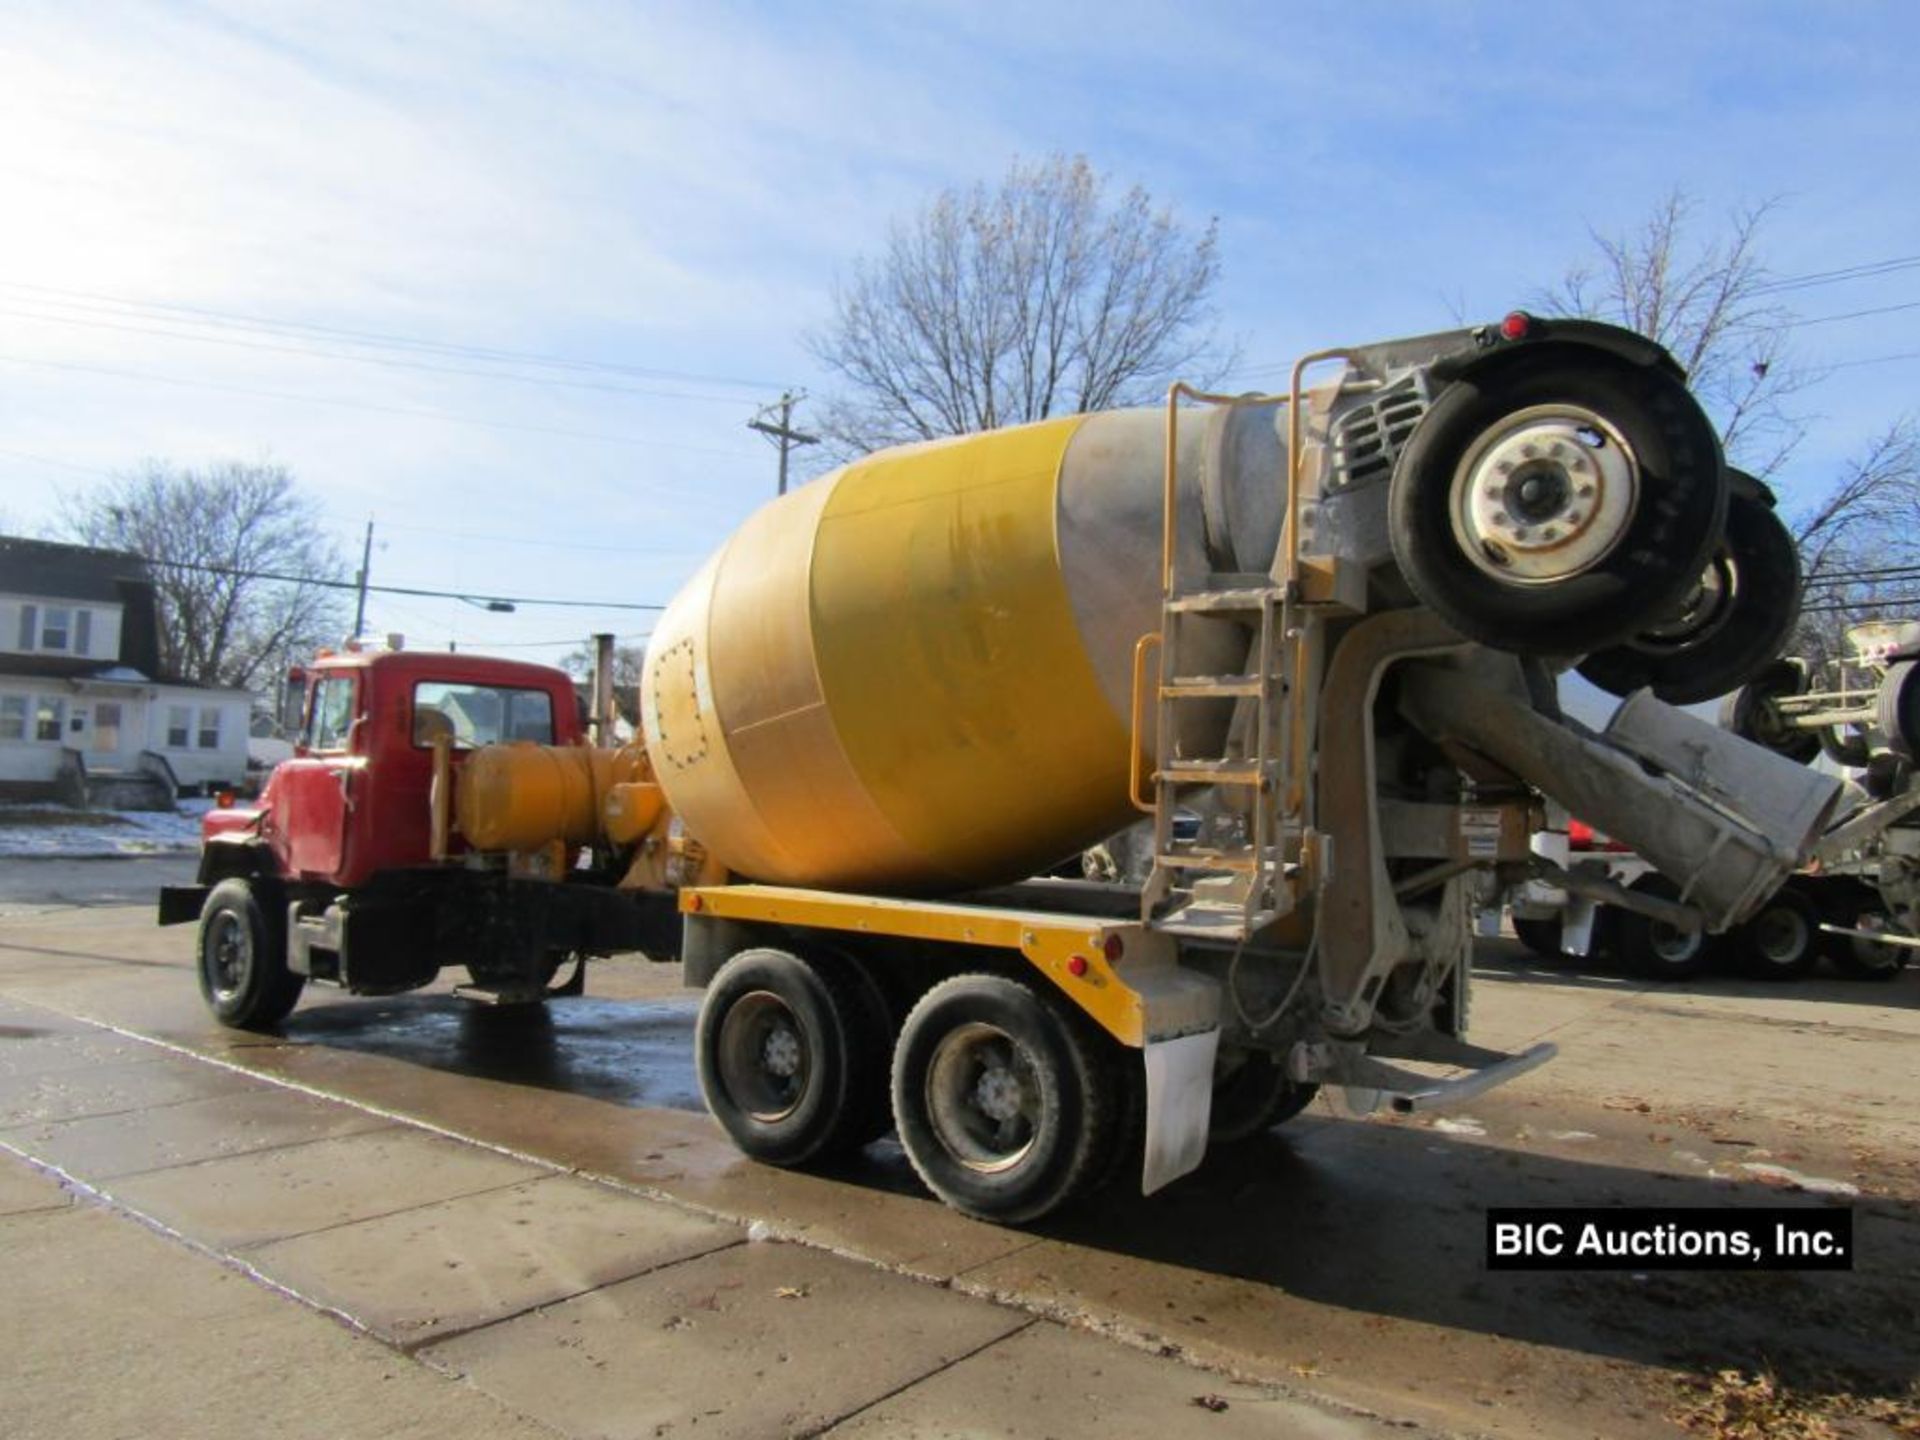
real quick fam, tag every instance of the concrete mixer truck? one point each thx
(1320, 628)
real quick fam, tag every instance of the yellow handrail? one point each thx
(1146, 642)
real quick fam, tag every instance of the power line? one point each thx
(421, 365)
(379, 339)
(447, 416)
(1873, 360)
(1851, 315)
(1866, 270)
(244, 574)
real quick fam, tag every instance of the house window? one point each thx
(57, 628)
(209, 727)
(179, 726)
(49, 717)
(13, 717)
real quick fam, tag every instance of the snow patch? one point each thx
(57, 832)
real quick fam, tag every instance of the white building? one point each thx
(81, 693)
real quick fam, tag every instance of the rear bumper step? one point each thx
(1372, 1082)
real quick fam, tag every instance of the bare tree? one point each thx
(1708, 299)
(212, 538)
(1035, 297)
(1860, 544)
(628, 663)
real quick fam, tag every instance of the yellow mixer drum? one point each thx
(913, 674)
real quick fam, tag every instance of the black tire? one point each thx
(1654, 948)
(1859, 959)
(792, 1056)
(1252, 1093)
(1851, 749)
(1781, 940)
(1664, 540)
(1897, 708)
(1542, 937)
(998, 1100)
(1736, 618)
(1752, 712)
(243, 957)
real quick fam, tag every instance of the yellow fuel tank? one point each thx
(914, 674)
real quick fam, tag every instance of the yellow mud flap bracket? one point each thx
(1124, 977)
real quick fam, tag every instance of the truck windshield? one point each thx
(474, 715)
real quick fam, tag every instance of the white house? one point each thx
(81, 690)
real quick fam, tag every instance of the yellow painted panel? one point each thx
(1049, 942)
(949, 657)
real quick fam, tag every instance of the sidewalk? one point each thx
(229, 1255)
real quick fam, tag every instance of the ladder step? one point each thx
(1204, 921)
(1226, 601)
(1212, 772)
(1183, 687)
(1244, 862)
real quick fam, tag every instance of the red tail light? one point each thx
(1517, 326)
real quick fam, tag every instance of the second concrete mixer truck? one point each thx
(1326, 623)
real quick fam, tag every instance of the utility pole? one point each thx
(782, 434)
(360, 604)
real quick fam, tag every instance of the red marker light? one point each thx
(1114, 948)
(696, 902)
(1076, 965)
(223, 799)
(1516, 326)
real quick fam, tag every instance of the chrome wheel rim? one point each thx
(1545, 495)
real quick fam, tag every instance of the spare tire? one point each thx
(1557, 503)
(1737, 616)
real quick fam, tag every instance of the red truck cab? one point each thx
(331, 877)
(352, 802)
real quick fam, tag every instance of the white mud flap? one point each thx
(1179, 1106)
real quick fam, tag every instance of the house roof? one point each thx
(55, 571)
(50, 570)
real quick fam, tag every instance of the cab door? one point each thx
(315, 788)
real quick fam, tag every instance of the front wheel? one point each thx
(998, 1099)
(243, 958)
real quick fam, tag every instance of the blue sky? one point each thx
(660, 196)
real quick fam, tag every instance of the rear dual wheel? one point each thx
(1782, 940)
(1006, 1102)
(791, 1055)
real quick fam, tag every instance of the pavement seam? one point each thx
(414, 1348)
(937, 1370)
(204, 1159)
